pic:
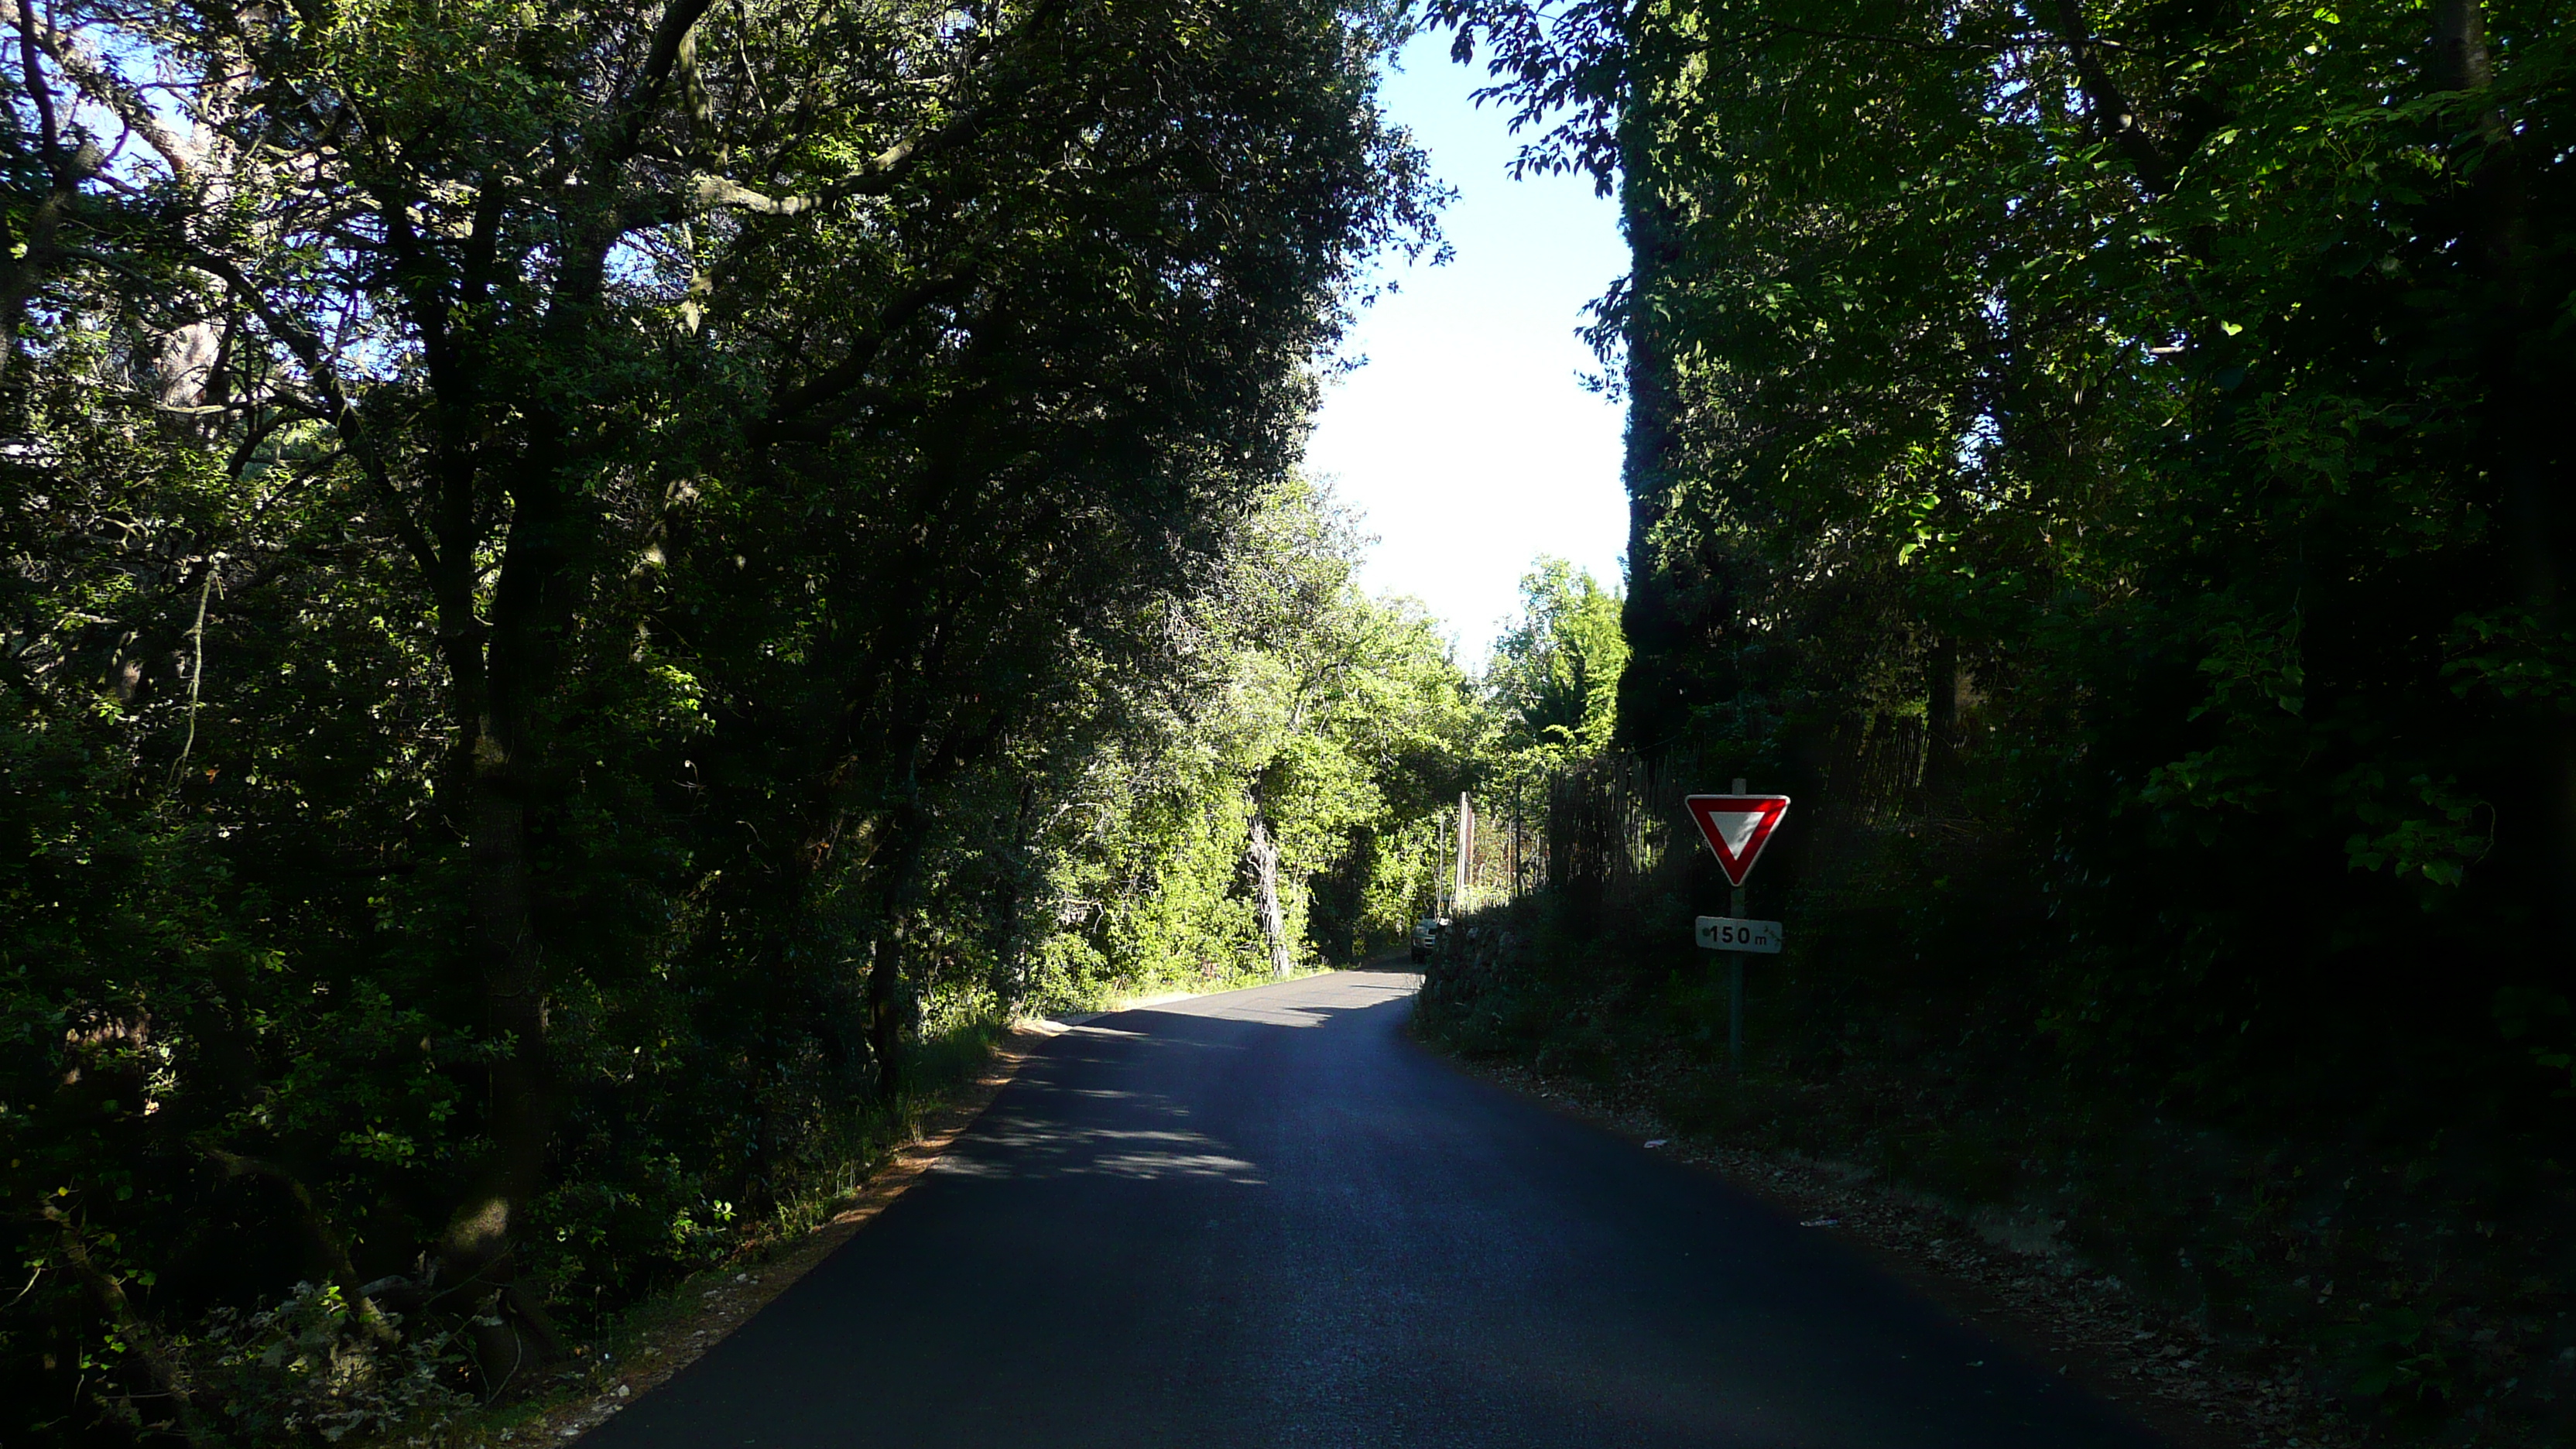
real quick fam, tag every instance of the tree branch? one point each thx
(344, 1273)
(714, 191)
(98, 79)
(37, 90)
(889, 166)
(339, 410)
(2112, 114)
(637, 108)
(841, 377)
(1964, 47)
(149, 1345)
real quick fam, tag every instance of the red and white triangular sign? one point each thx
(1737, 827)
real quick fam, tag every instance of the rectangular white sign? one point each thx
(1725, 933)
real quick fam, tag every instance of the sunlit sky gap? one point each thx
(1467, 440)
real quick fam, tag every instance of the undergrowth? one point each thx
(297, 1372)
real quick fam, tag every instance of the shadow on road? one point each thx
(1265, 1218)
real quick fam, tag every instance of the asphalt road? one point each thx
(1265, 1218)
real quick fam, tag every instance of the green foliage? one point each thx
(304, 1367)
(1338, 720)
(1555, 673)
(2102, 460)
(593, 593)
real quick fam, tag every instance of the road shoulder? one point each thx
(2022, 1290)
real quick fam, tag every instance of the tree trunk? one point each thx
(889, 998)
(503, 678)
(1941, 721)
(475, 1248)
(886, 1012)
(2524, 375)
(1653, 704)
(1262, 859)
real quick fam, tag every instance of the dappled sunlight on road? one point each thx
(1313, 1002)
(1032, 1147)
(1049, 1131)
(1047, 1135)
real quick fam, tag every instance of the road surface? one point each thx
(1266, 1219)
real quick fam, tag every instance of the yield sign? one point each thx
(1737, 827)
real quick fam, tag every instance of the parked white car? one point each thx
(1426, 937)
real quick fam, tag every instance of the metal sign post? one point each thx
(1735, 977)
(1737, 826)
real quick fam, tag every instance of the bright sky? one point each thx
(1467, 440)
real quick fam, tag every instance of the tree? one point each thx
(1555, 673)
(1270, 809)
(529, 522)
(2103, 437)
(1970, 388)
